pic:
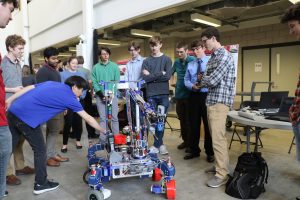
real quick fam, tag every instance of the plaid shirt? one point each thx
(294, 111)
(219, 78)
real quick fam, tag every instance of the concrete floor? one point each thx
(284, 173)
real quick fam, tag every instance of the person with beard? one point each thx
(49, 73)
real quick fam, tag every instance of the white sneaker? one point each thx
(153, 149)
(163, 150)
(106, 193)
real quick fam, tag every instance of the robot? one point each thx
(128, 151)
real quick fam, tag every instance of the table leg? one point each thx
(247, 130)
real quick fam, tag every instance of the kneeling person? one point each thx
(43, 101)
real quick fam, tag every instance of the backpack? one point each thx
(249, 177)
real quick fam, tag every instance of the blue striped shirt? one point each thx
(134, 71)
(190, 77)
(220, 78)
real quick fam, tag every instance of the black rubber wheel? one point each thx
(95, 195)
(85, 176)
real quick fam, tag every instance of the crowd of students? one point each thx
(56, 95)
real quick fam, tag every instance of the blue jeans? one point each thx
(5, 152)
(296, 129)
(155, 101)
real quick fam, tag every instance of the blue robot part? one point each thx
(128, 152)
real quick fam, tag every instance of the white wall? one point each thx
(14, 27)
(53, 21)
(115, 11)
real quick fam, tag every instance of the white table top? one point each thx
(259, 121)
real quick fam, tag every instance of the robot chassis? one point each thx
(128, 152)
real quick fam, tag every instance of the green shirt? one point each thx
(105, 72)
(181, 92)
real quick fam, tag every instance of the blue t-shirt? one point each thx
(43, 102)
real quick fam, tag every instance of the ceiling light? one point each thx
(109, 42)
(294, 1)
(143, 33)
(205, 20)
(72, 49)
(64, 55)
(197, 29)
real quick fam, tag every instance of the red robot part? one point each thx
(156, 175)
(171, 189)
(119, 139)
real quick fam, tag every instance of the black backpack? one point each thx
(249, 177)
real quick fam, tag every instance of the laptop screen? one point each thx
(271, 99)
(286, 104)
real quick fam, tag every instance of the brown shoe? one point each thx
(59, 158)
(52, 163)
(12, 180)
(26, 170)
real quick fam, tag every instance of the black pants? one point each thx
(198, 110)
(87, 106)
(182, 110)
(34, 137)
(73, 120)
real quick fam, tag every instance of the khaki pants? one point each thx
(217, 115)
(17, 158)
(52, 130)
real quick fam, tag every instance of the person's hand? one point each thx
(18, 88)
(196, 87)
(100, 95)
(146, 72)
(199, 76)
(7, 104)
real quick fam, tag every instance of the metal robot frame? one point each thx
(128, 151)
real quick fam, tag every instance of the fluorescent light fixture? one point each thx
(109, 42)
(143, 33)
(294, 1)
(205, 20)
(72, 49)
(64, 55)
(41, 59)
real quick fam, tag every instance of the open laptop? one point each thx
(271, 101)
(283, 113)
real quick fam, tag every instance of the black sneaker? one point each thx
(210, 159)
(39, 189)
(6, 193)
(181, 146)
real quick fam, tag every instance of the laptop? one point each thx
(271, 101)
(283, 113)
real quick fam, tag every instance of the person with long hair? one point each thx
(72, 119)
